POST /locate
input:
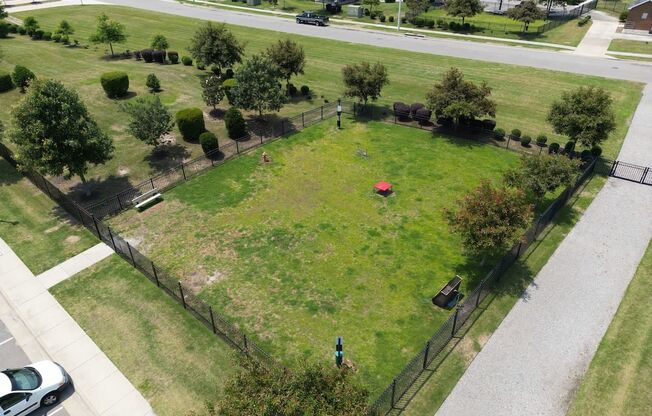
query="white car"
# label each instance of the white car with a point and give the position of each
(26, 389)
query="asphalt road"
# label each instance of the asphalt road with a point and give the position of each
(12, 356)
(538, 58)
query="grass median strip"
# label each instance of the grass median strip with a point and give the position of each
(169, 356)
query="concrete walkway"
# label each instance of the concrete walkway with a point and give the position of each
(598, 37)
(49, 332)
(537, 357)
(74, 265)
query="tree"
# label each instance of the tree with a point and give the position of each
(463, 8)
(108, 31)
(64, 28)
(364, 81)
(489, 219)
(541, 174)
(458, 99)
(310, 390)
(215, 45)
(22, 77)
(526, 12)
(149, 120)
(371, 4)
(416, 7)
(160, 43)
(153, 83)
(257, 87)
(3, 12)
(63, 144)
(212, 91)
(289, 58)
(31, 25)
(585, 115)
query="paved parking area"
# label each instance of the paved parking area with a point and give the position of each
(12, 356)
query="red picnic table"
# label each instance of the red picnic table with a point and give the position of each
(383, 186)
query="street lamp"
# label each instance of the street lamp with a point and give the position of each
(339, 113)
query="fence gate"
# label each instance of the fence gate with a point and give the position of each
(630, 172)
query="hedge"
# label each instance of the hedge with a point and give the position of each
(499, 134)
(173, 57)
(235, 123)
(159, 56)
(422, 115)
(553, 148)
(208, 142)
(5, 81)
(147, 55)
(115, 84)
(5, 28)
(305, 90)
(191, 123)
(401, 109)
(228, 85)
(525, 141)
(186, 60)
(414, 108)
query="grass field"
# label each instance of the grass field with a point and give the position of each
(410, 74)
(619, 380)
(301, 251)
(173, 360)
(40, 232)
(634, 46)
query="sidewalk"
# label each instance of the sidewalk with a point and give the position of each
(598, 37)
(45, 330)
(537, 357)
(74, 265)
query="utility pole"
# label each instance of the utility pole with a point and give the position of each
(398, 19)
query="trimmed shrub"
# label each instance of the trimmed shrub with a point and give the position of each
(138, 55)
(47, 36)
(228, 85)
(186, 60)
(430, 23)
(115, 84)
(216, 70)
(191, 123)
(148, 55)
(553, 148)
(526, 140)
(235, 123)
(22, 77)
(208, 142)
(623, 16)
(422, 115)
(229, 74)
(404, 19)
(596, 151)
(38, 34)
(382, 18)
(569, 146)
(173, 57)
(5, 28)
(305, 90)
(516, 134)
(13, 28)
(292, 90)
(488, 124)
(542, 139)
(391, 18)
(22, 30)
(153, 83)
(201, 66)
(65, 40)
(499, 134)
(440, 23)
(414, 107)
(56, 37)
(401, 110)
(419, 22)
(5, 81)
(466, 27)
(454, 26)
(586, 154)
(159, 56)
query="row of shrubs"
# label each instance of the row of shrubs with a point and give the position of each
(377, 14)
(541, 140)
(190, 122)
(38, 34)
(442, 24)
(583, 21)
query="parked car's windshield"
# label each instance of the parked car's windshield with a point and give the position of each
(24, 378)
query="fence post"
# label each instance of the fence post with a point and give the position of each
(155, 274)
(425, 356)
(183, 299)
(303, 120)
(131, 254)
(183, 170)
(112, 241)
(393, 392)
(97, 229)
(457, 310)
(210, 312)
(119, 202)
(322, 112)
(614, 165)
(477, 300)
(644, 174)
(246, 345)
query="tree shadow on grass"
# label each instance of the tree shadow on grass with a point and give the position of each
(8, 174)
(167, 156)
(100, 189)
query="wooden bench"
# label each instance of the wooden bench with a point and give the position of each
(146, 199)
(448, 293)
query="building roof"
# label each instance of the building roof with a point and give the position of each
(637, 3)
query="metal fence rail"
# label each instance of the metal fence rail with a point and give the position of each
(631, 172)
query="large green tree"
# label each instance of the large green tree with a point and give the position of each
(490, 219)
(149, 119)
(308, 390)
(371, 4)
(585, 115)
(3, 12)
(212, 90)
(538, 175)
(108, 31)
(31, 25)
(289, 58)
(64, 28)
(526, 12)
(216, 45)
(364, 81)
(160, 42)
(55, 134)
(458, 99)
(257, 86)
(463, 8)
(416, 7)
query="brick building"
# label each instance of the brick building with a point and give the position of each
(640, 15)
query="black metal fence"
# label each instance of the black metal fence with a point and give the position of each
(168, 179)
(400, 385)
(630, 172)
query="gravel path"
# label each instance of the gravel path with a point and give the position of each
(538, 355)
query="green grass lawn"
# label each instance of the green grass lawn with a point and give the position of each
(410, 75)
(619, 380)
(301, 251)
(173, 360)
(41, 233)
(439, 381)
(634, 46)
(613, 7)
